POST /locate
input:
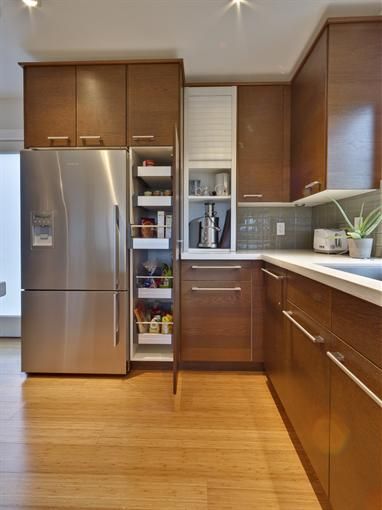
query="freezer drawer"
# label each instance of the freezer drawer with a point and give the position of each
(74, 332)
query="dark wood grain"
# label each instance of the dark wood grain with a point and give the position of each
(262, 152)
(257, 312)
(153, 103)
(49, 106)
(355, 106)
(209, 270)
(308, 121)
(355, 435)
(101, 104)
(308, 405)
(216, 325)
(359, 324)
(312, 297)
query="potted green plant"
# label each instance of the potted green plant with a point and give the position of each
(360, 244)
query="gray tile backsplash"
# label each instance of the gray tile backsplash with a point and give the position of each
(256, 228)
(328, 215)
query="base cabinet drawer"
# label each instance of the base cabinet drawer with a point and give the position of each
(216, 321)
(355, 431)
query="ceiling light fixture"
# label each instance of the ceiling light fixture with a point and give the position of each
(32, 3)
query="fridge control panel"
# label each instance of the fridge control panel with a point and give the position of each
(42, 229)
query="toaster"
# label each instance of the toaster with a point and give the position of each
(327, 240)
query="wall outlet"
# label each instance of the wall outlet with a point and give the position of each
(280, 229)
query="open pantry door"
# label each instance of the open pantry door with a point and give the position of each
(176, 249)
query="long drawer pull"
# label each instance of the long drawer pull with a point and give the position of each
(254, 195)
(143, 137)
(90, 137)
(315, 339)
(312, 184)
(58, 138)
(272, 274)
(216, 267)
(336, 357)
(224, 289)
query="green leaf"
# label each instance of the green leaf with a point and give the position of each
(361, 212)
(344, 214)
(379, 208)
(373, 226)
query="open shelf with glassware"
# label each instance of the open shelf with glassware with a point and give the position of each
(151, 217)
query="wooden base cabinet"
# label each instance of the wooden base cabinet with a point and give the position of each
(355, 431)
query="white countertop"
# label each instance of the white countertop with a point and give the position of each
(305, 262)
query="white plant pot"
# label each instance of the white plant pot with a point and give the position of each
(360, 248)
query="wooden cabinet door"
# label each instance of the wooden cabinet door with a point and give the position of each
(308, 123)
(50, 106)
(355, 431)
(153, 103)
(216, 321)
(308, 405)
(101, 105)
(263, 143)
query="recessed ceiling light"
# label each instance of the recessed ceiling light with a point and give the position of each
(32, 3)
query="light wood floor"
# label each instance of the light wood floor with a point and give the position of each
(113, 443)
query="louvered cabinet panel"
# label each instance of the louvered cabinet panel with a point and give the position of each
(210, 123)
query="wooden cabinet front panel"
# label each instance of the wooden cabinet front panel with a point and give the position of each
(263, 143)
(101, 105)
(359, 324)
(216, 270)
(312, 297)
(355, 434)
(153, 103)
(308, 385)
(355, 105)
(50, 106)
(308, 126)
(216, 324)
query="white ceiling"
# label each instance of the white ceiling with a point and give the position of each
(262, 40)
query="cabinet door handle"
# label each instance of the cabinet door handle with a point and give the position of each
(216, 267)
(52, 138)
(143, 137)
(315, 339)
(224, 289)
(254, 195)
(312, 184)
(90, 137)
(337, 357)
(272, 274)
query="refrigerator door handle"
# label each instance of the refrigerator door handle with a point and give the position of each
(116, 246)
(116, 319)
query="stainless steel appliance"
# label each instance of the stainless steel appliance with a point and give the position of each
(74, 261)
(328, 240)
(209, 227)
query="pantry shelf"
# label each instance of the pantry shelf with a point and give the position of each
(209, 198)
(148, 293)
(155, 176)
(154, 339)
(150, 202)
(150, 243)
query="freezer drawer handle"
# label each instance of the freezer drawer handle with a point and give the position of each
(272, 274)
(216, 267)
(116, 246)
(337, 357)
(236, 289)
(116, 319)
(315, 339)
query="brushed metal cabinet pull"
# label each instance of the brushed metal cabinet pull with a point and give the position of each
(90, 137)
(272, 274)
(315, 339)
(58, 138)
(143, 137)
(254, 195)
(216, 267)
(312, 184)
(224, 289)
(337, 357)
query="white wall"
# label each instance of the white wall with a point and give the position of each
(10, 305)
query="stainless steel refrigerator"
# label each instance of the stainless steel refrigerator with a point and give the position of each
(74, 261)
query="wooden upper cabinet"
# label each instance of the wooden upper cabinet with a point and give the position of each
(153, 103)
(101, 105)
(308, 123)
(50, 106)
(336, 128)
(263, 143)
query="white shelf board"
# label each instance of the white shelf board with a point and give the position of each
(154, 339)
(209, 250)
(156, 176)
(209, 198)
(326, 196)
(154, 293)
(224, 164)
(154, 202)
(152, 353)
(150, 243)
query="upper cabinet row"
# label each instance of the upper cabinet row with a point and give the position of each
(101, 105)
